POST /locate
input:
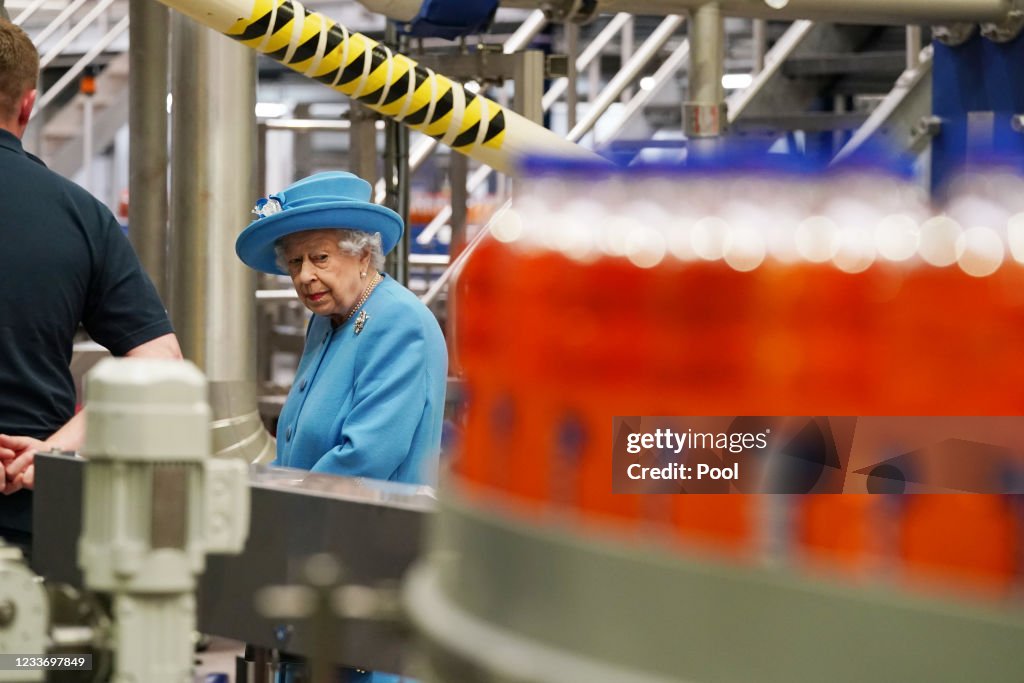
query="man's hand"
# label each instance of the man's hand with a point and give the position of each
(17, 454)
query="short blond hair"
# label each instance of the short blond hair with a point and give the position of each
(19, 67)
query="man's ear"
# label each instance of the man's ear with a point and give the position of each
(28, 100)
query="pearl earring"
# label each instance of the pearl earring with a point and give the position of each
(362, 274)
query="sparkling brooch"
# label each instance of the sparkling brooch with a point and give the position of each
(360, 321)
(267, 206)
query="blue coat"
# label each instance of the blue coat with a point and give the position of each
(369, 404)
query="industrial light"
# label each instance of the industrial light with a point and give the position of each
(270, 110)
(647, 83)
(736, 81)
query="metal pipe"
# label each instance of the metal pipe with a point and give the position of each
(65, 40)
(913, 46)
(212, 190)
(630, 70)
(419, 153)
(589, 54)
(387, 82)
(759, 40)
(57, 22)
(362, 146)
(627, 45)
(28, 11)
(774, 59)
(307, 125)
(147, 129)
(526, 32)
(454, 267)
(396, 176)
(71, 74)
(601, 103)
(676, 59)
(906, 84)
(707, 44)
(896, 12)
(703, 113)
(458, 172)
(572, 35)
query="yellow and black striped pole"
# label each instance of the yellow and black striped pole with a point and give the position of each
(387, 82)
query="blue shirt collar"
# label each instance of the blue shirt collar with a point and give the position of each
(9, 141)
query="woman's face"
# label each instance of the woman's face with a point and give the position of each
(326, 279)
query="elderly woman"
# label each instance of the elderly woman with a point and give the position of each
(369, 391)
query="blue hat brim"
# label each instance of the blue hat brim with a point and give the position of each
(255, 244)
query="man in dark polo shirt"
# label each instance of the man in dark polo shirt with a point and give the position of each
(63, 262)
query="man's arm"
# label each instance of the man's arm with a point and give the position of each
(18, 452)
(161, 347)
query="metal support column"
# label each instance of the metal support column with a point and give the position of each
(147, 129)
(362, 143)
(760, 40)
(458, 174)
(626, 47)
(212, 192)
(397, 177)
(913, 46)
(529, 80)
(704, 116)
(572, 39)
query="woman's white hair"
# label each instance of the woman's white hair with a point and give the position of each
(350, 241)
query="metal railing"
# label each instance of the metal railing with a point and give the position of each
(83, 62)
(627, 74)
(70, 27)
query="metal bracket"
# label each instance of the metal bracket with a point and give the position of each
(702, 120)
(556, 66)
(1005, 30)
(574, 11)
(953, 34)
(923, 132)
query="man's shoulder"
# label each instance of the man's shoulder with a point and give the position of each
(33, 180)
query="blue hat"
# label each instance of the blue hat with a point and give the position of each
(333, 199)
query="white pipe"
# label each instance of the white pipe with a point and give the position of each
(668, 68)
(389, 83)
(589, 54)
(75, 31)
(773, 61)
(29, 11)
(601, 103)
(57, 22)
(913, 46)
(71, 74)
(526, 32)
(442, 280)
(630, 70)
(759, 38)
(627, 45)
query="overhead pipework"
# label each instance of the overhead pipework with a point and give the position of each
(850, 11)
(387, 82)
